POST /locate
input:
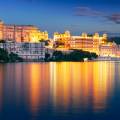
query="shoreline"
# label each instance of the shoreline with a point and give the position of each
(61, 61)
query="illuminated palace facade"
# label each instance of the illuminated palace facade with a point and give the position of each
(63, 38)
(21, 33)
(92, 43)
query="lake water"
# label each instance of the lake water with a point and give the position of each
(60, 91)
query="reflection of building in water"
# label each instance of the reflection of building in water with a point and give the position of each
(1, 86)
(38, 86)
(35, 81)
(103, 76)
(77, 85)
(60, 86)
(66, 85)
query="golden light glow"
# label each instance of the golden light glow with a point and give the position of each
(85, 42)
(21, 33)
(102, 84)
(39, 85)
(64, 84)
(91, 82)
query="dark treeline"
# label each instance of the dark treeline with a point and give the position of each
(115, 39)
(8, 57)
(75, 55)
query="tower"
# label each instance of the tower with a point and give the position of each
(104, 38)
(1, 30)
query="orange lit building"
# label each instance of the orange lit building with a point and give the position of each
(63, 38)
(118, 51)
(109, 49)
(21, 33)
(84, 42)
(88, 43)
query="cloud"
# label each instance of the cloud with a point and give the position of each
(86, 11)
(31, 1)
(114, 17)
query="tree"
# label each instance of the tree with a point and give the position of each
(47, 56)
(45, 41)
(93, 55)
(13, 57)
(4, 56)
(75, 55)
(58, 55)
(2, 41)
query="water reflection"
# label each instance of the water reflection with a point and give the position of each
(82, 84)
(1, 86)
(60, 86)
(38, 85)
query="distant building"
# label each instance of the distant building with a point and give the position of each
(21, 33)
(109, 49)
(27, 51)
(118, 51)
(87, 42)
(63, 38)
(84, 42)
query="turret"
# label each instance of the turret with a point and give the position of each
(84, 35)
(67, 32)
(96, 35)
(1, 29)
(104, 38)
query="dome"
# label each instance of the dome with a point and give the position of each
(105, 35)
(96, 35)
(84, 34)
(67, 32)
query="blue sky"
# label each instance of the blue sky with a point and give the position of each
(59, 15)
